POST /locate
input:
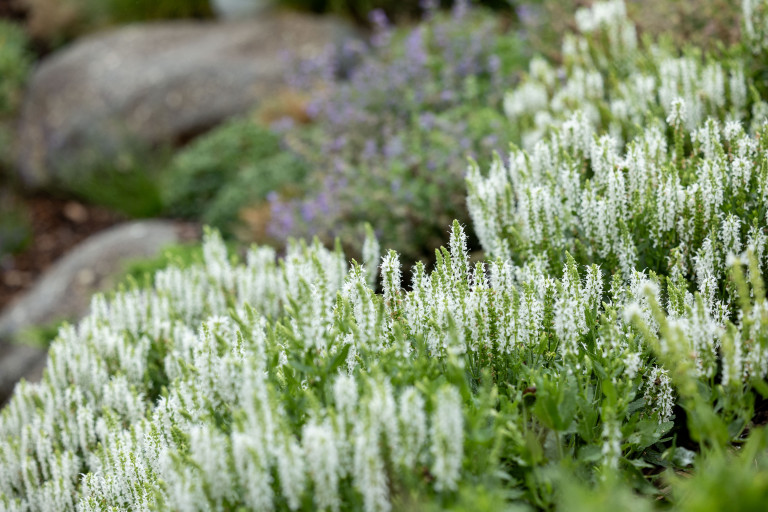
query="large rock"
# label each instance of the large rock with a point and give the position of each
(154, 84)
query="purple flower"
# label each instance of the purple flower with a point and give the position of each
(282, 125)
(379, 19)
(527, 14)
(370, 150)
(494, 63)
(429, 7)
(460, 9)
(381, 28)
(394, 148)
(427, 121)
(414, 48)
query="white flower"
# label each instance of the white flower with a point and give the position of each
(291, 469)
(658, 394)
(320, 449)
(447, 439)
(413, 427)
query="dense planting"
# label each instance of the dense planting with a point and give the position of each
(615, 338)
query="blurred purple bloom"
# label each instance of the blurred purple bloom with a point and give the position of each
(339, 143)
(314, 108)
(527, 14)
(281, 223)
(394, 148)
(382, 32)
(379, 19)
(427, 121)
(370, 149)
(368, 119)
(429, 6)
(460, 9)
(414, 48)
(282, 125)
(494, 63)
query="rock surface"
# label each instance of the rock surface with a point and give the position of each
(153, 84)
(64, 291)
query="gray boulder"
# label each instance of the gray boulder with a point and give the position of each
(154, 84)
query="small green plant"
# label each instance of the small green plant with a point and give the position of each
(235, 165)
(143, 270)
(39, 336)
(15, 229)
(129, 184)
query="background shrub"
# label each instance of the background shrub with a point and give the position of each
(235, 165)
(392, 132)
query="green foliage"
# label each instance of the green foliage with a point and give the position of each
(128, 184)
(394, 9)
(15, 229)
(15, 63)
(143, 270)
(122, 11)
(732, 479)
(235, 165)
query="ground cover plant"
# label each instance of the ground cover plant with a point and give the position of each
(603, 357)
(237, 164)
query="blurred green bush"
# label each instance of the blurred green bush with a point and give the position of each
(139, 10)
(235, 165)
(15, 64)
(15, 229)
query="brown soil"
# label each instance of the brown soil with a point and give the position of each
(57, 225)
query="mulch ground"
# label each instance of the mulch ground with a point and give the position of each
(57, 226)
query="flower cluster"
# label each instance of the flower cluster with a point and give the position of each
(677, 196)
(268, 386)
